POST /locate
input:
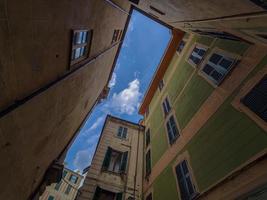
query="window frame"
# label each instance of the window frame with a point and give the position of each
(179, 45)
(175, 139)
(124, 133)
(166, 97)
(86, 45)
(70, 179)
(185, 156)
(200, 46)
(236, 58)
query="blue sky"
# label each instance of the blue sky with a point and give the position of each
(144, 44)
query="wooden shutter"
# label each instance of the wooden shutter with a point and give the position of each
(124, 135)
(107, 159)
(124, 162)
(147, 137)
(119, 196)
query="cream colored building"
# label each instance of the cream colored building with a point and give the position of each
(66, 189)
(117, 166)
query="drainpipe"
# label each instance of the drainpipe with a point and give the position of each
(136, 163)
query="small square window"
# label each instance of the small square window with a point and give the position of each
(122, 132)
(181, 46)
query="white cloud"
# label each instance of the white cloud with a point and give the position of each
(92, 140)
(98, 121)
(112, 82)
(82, 159)
(127, 100)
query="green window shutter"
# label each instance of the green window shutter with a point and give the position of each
(124, 133)
(107, 158)
(119, 196)
(124, 161)
(120, 131)
(98, 191)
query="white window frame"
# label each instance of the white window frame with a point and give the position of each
(175, 138)
(225, 55)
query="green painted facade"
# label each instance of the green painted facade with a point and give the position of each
(226, 141)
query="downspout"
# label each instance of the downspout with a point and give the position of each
(136, 163)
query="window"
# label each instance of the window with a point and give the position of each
(261, 3)
(122, 132)
(149, 197)
(172, 130)
(166, 106)
(157, 10)
(73, 179)
(148, 163)
(147, 137)
(57, 186)
(51, 198)
(256, 99)
(181, 46)
(197, 55)
(64, 173)
(187, 188)
(80, 45)
(161, 85)
(217, 67)
(67, 191)
(115, 161)
(117, 34)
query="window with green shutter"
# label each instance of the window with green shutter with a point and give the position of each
(115, 161)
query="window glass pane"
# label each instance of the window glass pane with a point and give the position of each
(82, 51)
(226, 63)
(164, 108)
(84, 38)
(57, 186)
(64, 173)
(147, 137)
(168, 105)
(196, 50)
(207, 69)
(77, 53)
(195, 59)
(184, 166)
(68, 189)
(189, 185)
(215, 58)
(216, 75)
(201, 52)
(78, 37)
(51, 198)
